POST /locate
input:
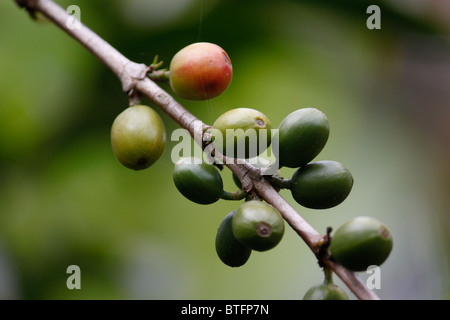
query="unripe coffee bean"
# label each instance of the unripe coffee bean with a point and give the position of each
(138, 137)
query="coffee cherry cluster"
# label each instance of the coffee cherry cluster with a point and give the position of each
(255, 225)
(203, 71)
(359, 243)
(238, 133)
(316, 185)
(199, 71)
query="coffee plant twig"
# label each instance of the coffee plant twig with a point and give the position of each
(134, 78)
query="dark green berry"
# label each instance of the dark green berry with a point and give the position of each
(360, 243)
(231, 251)
(198, 181)
(302, 135)
(258, 225)
(138, 137)
(321, 184)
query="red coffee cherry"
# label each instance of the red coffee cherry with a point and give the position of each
(200, 71)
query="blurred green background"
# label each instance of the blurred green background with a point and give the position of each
(65, 199)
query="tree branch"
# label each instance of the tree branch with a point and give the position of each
(133, 76)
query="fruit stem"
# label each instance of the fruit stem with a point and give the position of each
(328, 275)
(159, 75)
(134, 98)
(236, 195)
(155, 74)
(279, 182)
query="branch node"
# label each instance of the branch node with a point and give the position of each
(323, 253)
(132, 73)
(134, 97)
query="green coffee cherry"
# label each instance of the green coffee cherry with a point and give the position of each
(242, 133)
(138, 137)
(321, 184)
(360, 243)
(325, 291)
(198, 181)
(200, 71)
(232, 252)
(302, 135)
(258, 225)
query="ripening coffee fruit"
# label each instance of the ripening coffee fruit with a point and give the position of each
(325, 291)
(232, 252)
(198, 181)
(258, 225)
(200, 71)
(360, 243)
(321, 184)
(302, 135)
(138, 137)
(242, 133)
